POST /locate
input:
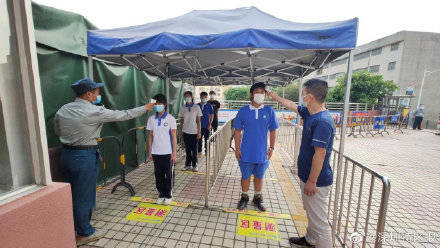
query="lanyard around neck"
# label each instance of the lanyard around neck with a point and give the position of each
(160, 118)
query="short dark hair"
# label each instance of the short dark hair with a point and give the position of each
(160, 98)
(318, 88)
(80, 95)
(188, 93)
(256, 86)
(203, 93)
(212, 92)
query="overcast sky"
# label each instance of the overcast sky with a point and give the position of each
(377, 19)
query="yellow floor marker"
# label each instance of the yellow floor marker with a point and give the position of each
(292, 197)
(150, 213)
(258, 227)
(258, 213)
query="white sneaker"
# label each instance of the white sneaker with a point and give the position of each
(168, 201)
(196, 168)
(160, 200)
(187, 168)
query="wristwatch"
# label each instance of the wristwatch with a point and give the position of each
(271, 148)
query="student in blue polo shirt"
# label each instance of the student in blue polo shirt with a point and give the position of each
(313, 161)
(162, 145)
(206, 120)
(256, 121)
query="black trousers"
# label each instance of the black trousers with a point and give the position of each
(190, 141)
(205, 136)
(214, 125)
(418, 122)
(163, 170)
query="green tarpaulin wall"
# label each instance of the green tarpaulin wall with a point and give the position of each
(62, 60)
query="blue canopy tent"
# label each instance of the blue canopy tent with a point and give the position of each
(223, 47)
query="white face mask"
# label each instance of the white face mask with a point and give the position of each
(259, 98)
(188, 100)
(204, 100)
(212, 97)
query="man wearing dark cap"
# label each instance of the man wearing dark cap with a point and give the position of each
(79, 124)
(251, 151)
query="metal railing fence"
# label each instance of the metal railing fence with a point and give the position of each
(362, 198)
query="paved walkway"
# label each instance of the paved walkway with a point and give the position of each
(193, 227)
(411, 161)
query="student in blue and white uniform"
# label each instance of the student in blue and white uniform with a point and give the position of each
(256, 121)
(206, 120)
(162, 145)
(314, 169)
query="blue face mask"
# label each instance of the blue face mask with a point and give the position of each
(158, 108)
(98, 100)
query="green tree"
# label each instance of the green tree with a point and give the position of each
(365, 88)
(237, 93)
(291, 91)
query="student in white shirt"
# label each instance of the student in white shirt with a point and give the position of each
(190, 118)
(162, 145)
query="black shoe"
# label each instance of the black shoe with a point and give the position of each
(258, 202)
(242, 204)
(299, 242)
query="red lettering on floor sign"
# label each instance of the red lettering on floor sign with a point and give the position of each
(139, 210)
(269, 227)
(244, 223)
(150, 211)
(257, 225)
(161, 213)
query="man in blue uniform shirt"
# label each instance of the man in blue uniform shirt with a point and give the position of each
(251, 151)
(313, 162)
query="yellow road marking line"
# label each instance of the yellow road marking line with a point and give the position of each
(293, 200)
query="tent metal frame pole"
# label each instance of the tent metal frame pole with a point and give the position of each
(167, 82)
(300, 94)
(342, 142)
(90, 65)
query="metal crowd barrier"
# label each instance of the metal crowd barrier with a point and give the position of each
(122, 148)
(217, 147)
(121, 164)
(362, 202)
(374, 125)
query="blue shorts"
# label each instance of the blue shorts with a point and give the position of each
(258, 170)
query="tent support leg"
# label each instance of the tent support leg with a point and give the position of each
(342, 142)
(300, 98)
(90, 64)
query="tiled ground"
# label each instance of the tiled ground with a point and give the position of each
(192, 227)
(411, 161)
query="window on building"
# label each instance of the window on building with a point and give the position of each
(336, 75)
(374, 68)
(19, 159)
(361, 56)
(376, 51)
(323, 77)
(360, 69)
(394, 47)
(339, 62)
(391, 66)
